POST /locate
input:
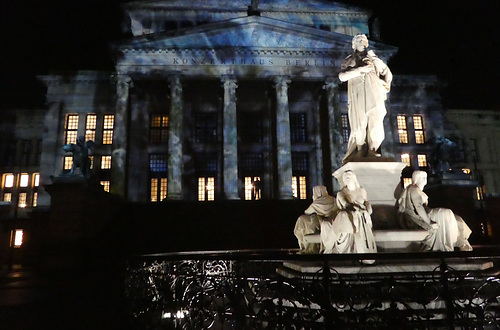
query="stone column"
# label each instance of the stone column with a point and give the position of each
(120, 136)
(284, 153)
(230, 132)
(334, 128)
(175, 139)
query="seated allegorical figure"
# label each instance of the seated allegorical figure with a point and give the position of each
(446, 229)
(351, 230)
(322, 207)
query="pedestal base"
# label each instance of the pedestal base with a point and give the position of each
(380, 179)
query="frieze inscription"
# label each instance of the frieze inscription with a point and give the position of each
(262, 61)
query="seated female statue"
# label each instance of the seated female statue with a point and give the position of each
(351, 230)
(309, 223)
(446, 229)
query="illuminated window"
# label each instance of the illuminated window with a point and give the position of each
(35, 199)
(154, 190)
(419, 129)
(90, 127)
(158, 165)
(7, 197)
(22, 200)
(253, 189)
(205, 127)
(36, 179)
(299, 186)
(158, 189)
(24, 179)
(479, 193)
(300, 170)
(105, 162)
(8, 180)
(402, 132)
(107, 131)
(406, 182)
(17, 240)
(422, 160)
(163, 188)
(105, 184)
(405, 158)
(206, 189)
(91, 162)
(345, 128)
(159, 129)
(68, 163)
(298, 127)
(71, 128)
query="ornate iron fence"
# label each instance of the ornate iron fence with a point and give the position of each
(250, 290)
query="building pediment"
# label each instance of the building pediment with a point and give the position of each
(245, 32)
(247, 46)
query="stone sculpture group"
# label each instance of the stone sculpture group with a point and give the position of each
(344, 223)
(345, 226)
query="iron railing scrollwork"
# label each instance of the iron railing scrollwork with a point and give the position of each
(245, 291)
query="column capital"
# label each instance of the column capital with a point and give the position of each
(123, 79)
(229, 81)
(281, 81)
(331, 82)
(174, 81)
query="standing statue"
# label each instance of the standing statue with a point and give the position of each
(446, 230)
(369, 80)
(351, 230)
(322, 207)
(81, 158)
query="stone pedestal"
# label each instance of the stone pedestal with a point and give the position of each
(80, 213)
(380, 179)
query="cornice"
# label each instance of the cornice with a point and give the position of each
(477, 114)
(267, 13)
(85, 78)
(235, 51)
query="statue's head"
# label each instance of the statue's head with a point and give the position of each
(67, 147)
(349, 178)
(359, 42)
(419, 178)
(319, 191)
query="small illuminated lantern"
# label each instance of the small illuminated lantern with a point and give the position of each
(17, 238)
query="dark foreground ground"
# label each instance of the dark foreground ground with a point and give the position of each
(62, 300)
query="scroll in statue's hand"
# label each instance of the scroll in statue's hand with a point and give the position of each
(366, 69)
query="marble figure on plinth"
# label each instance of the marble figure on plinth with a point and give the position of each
(446, 229)
(351, 229)
(81, 158)
(369, 80)
(322, 207)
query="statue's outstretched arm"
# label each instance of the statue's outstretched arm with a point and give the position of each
(353, 72)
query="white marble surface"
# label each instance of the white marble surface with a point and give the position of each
(380, 179)
(314, 268)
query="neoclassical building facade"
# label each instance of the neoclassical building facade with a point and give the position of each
(227, 100)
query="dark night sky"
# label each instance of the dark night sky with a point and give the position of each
(456, 40)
